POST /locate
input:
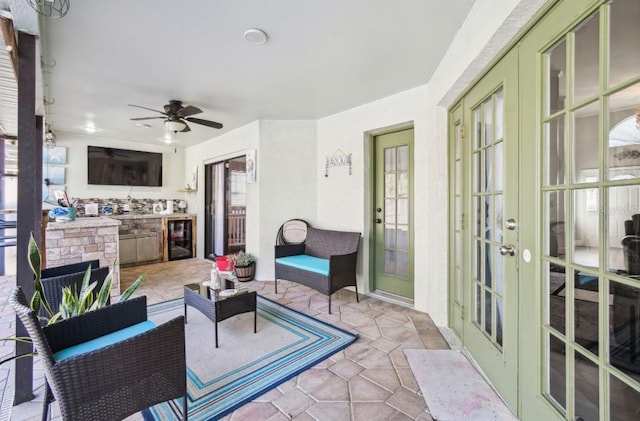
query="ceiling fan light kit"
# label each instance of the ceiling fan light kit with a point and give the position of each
(175, 125)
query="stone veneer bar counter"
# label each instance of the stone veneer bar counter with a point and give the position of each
(84, 239)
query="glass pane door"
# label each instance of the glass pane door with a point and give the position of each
(590, 197)
(490, 272)
(225, 198)
(393, 217)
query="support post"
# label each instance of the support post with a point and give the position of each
(29, 197)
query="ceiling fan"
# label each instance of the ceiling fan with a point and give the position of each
(176, 115)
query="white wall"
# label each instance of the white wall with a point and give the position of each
(342, 198)
(341, 201)
(173, 177)
(285, 180)
(229, 145)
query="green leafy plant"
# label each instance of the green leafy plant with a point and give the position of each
(73, 302)
(242, 259)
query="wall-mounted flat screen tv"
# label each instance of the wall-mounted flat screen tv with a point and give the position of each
(122, 167)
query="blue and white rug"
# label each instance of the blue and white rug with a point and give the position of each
(246, 365)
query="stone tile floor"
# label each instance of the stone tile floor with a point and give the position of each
(369, 380)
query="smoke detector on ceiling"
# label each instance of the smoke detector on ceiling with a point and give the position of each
(255, 36)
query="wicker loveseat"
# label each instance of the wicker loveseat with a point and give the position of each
(326, 261)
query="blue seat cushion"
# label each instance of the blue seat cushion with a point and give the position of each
(101, 342)
(305, 262)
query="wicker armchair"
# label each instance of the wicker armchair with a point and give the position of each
(114, 381)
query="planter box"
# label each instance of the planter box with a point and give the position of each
(246, 273)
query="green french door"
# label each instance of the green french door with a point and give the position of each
(490, 234)
(580, 116)
(556, 326)
(393, 213)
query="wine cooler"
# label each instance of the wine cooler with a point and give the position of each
(179, 239)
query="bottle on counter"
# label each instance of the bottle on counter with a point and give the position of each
(215, 278)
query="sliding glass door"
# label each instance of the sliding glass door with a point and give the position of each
(225, 200)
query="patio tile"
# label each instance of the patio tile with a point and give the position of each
(334, 411)
(369, 380)
(363, 390)
(407, 402)
(384, 377)
(335, 389)
(370, 411)
(346, 369)
(293, 403)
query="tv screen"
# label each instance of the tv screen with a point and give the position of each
(121, 167)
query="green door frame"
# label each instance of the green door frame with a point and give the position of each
(370, 200)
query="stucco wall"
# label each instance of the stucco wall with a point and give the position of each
(229, 145)
(341, 200)
(285, 180)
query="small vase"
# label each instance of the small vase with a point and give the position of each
(70, 216)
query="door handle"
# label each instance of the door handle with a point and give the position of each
(510, 250)
(378, 221)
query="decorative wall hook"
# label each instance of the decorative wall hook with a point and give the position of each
(338, 159)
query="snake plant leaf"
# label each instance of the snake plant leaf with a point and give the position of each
(103, 294)
(36, 302)
(15, 357)
(85, 282)
(35, 261)
(127, 293)
(85, 298)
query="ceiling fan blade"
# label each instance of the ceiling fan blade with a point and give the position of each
(144, 118)
(186, 128)
(207, 123)
(150, 109)
(188, 110)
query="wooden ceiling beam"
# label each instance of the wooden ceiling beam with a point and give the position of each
(9, 35)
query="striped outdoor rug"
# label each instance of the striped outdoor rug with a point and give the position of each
(246, 365)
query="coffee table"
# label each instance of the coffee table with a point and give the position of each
(216, 307)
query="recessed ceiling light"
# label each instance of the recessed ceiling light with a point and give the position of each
(255, 36)
(90, 129)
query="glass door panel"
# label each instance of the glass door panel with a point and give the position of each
(490, 276)
(590, 209)
(393, 214)
(489, 156)
(225, 199)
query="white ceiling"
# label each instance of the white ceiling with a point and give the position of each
(322, 57)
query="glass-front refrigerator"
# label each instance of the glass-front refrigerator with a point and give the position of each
(179, 241)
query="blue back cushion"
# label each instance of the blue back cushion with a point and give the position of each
(101, 342)
(305, 262)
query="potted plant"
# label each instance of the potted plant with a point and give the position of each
(245, 266)
(73, 302)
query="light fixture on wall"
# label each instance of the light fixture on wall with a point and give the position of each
(50, 138)
(175, 125)
(50, 8)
